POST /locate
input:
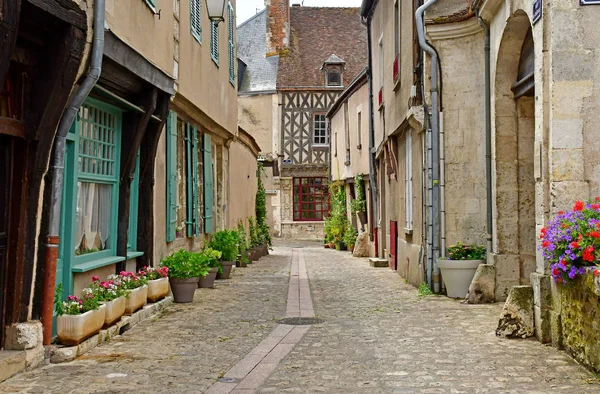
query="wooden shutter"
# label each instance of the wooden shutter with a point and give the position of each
(189, 181)
(214, 42)
(208, 184)
(231, 22)
(171, 176)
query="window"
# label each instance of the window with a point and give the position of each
(397, 27)
(359, 130)
(231, 21)
(320, 136)
(196, 19)
(311, 199)
(408, 180)
(214, 42)
(347, 134)
(334, 77)
(381, 62)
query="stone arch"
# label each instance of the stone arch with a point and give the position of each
(514, 216)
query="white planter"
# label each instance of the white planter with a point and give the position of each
(72, 329)
(158, 289)
(137, 299)
(457, 275)
(114, 310)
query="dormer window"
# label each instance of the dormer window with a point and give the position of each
(333, 69)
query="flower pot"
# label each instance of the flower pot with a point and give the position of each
(362, 216)
(457, 275)
(137, 299)
(351, 248)
(227, 266)
(183, 289)
(209, 280)
(247, 255)
(72, 329)
(158, 289)
(331, 245)
(326, 246)
(253, 254)
(114, 310)
(241, 264)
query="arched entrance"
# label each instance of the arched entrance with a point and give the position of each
(514, 156)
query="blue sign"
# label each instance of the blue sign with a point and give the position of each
(589, 2)
(537, 10)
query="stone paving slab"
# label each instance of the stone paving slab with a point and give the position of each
(380, 336)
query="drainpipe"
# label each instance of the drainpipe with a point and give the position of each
(488, 129)
(372, 180)
(58, 164)
(434, 209)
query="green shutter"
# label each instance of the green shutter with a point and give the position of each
(133, 207)
(189, 181)
(171, 176)
(208, 184)
(231, 22)
(195, 181)
(214, 42)
(196, 19)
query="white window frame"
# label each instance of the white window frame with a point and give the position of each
(408, 177)
(314, 133)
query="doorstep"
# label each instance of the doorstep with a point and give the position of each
(11, 363)
(63, 354)
(378, 263)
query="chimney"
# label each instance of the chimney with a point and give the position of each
(278, 26)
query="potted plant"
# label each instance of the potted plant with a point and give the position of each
(254, 240)
(212, 261)
(77, 319)
(262, 228)
(359, 204)
(158, 282)
(135, 287)
(350, 237)
(460, 266)
(243, 244)
(185, 270)
(112, 295)
(225, 241)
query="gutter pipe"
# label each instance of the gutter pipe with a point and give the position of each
(58, 166)
(488, 129)
(434, 208)
(372, 180)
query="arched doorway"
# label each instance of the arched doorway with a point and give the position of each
(514, 156)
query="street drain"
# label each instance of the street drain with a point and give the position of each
(228, 380)
(301, 321)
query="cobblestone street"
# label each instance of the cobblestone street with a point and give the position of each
(377, 336)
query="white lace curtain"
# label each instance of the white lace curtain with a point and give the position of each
(93, 217)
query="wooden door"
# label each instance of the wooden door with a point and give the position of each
(393, 263)
(5, 182)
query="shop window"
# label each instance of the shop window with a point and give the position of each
(311, 199)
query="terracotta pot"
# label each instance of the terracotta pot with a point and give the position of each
(227, 266)
(183, 289)
(253, 254)
(158, 289)
(209, 280)
(114, 310)
(351, 248)
(331, 245)
(247, 255)
(72, 329)
(137, 299)
(326, 246)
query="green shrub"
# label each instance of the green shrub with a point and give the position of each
(462, 251)
(184, 264)
(359, 204)
(225, 241)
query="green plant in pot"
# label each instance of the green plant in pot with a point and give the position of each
(458, 269)
(350, 237)
(254, 239)
(225, 241)
(185, 270)
(212, 259)
(243, 244)
(359, 204)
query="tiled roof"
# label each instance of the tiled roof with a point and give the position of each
(316, 34)
(261, 72)
(334, 59)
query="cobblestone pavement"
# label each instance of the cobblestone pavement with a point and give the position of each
(378, 336)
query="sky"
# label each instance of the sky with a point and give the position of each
(247, 8)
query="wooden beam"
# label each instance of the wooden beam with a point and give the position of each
(9, 26)
(66, 10)
(12, 127)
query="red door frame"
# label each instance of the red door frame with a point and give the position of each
(393, 263)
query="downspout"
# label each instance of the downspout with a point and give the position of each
(58, 164)
(434, 209)
(488, 129)
(372, 180)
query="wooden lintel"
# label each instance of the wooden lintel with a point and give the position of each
(12, 127)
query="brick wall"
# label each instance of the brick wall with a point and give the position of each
(278, 26)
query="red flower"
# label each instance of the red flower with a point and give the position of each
(95, 278)
(543, 233)
(574, 245)
(578, 206)
(588, 254)
(595, 234)
(596, 272)
(595, 206)
(558, 280)
(555, 272)
(598, 224)
(545, 244)
(564, 262)
(597, 198)
(561, 212)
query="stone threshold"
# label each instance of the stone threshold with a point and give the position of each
(63, 354)
(378, 263)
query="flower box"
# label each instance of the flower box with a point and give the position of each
(457, 275)
(114, 310)
(72, 329)
(158, 289)
(137, 299)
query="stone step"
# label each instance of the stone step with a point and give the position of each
(378, 263)
(11, 363)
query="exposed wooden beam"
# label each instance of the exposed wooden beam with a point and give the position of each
(66, 10)
(9, 26)
(12, 127)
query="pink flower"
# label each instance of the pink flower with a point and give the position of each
(95, 278)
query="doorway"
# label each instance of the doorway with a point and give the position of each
(5, 181)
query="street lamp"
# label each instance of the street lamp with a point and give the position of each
(216, 10)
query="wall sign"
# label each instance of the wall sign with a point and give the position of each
(537, 10)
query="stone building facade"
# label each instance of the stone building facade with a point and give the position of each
(309, 55)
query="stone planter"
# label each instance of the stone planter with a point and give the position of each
(227, 267)
(158, 289)
(457, 275)
(114, 310)
(72, 329)
(209, 280)
(183, 289)
(137, 299)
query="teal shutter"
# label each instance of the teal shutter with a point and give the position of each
(231, 21)
(195, 181)
(171, 176)
(208, 184)
(196, 19)
(214, 42)
(189, 181)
